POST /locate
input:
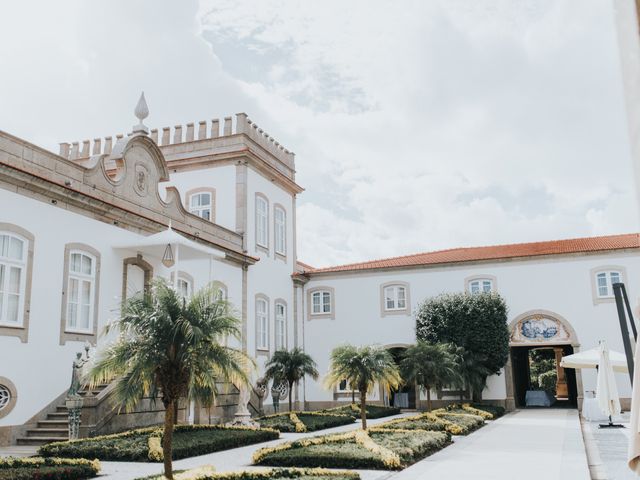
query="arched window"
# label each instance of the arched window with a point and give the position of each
(201, 202)
(280, 220)
(262, 324)
(480, 284)
(602, 280)
(395, 299)
(281, 325)
(262, 221)
(184, 287)
(81, 291)
(13, 264)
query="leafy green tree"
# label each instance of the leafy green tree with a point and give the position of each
(477, 322)
(429, 366)
(471, 371)
(363, 367)
(291, 367)
(172, 348)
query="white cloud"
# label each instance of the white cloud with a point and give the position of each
(430, 125)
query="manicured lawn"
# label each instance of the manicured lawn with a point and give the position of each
(264, 474)
(144, 445)
(381, 449)
(47, 469)
(373, 411)
(304, 421)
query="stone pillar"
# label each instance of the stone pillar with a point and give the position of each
(562, 391)
(74, 407)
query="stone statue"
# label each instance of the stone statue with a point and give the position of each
(278, 391)
(261, 390)
(243, 400)
(76, 375)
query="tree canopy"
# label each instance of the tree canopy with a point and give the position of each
(291, 367)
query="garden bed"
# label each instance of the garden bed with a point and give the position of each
(373, 411)
(144, 445)
(304, 421)
(424, 421)
(495, 410)
(379, 449)
(47, 468)
(458, 423)
(264, 474)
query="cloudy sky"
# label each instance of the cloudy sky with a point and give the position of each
(417, 125)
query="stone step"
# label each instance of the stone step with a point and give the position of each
(59, 416)
(53, 423)
(61, 409)
(48, 432)
(39, 440)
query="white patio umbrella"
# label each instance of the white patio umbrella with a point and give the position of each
(606, 388)
(591, 358)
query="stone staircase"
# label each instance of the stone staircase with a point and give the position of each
(55, 427)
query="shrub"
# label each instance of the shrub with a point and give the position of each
(424, 421)
(548, 380)
(268, 474)
(459, 423)
(304, 421)
(496, 410)
(140, 446)
(47, 468)
(373, 411)
(465, 408)
(381, 449)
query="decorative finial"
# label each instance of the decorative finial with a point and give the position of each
(141, 112)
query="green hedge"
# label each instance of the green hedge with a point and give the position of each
(373, 411)
(273, 474)
(313, 422)
(418, 422)
(47, 468)
(467, 422)
(133, 446)
(496, 410)
(410, 447)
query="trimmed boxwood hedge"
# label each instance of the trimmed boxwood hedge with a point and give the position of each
(496, 410)
(345, 452)
(270, 474)
(133, 446)
(312, 421)
(47, 468)
(426, 422)
(467, 422)
(373, 411)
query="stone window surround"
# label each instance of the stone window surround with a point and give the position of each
(594, 284)
(262, 351)
(264, 248)
(22, 331)
(182, 275)
(145, 266)
(407, 296)
(281, 256)
(69, 335)
(193, 191)
(217, 284)
(14, 396)
(283, 302)
(472, 278)
(332, 293)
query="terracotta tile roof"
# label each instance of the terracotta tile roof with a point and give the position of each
(495, 252)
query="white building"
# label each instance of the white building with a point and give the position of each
(84, 229)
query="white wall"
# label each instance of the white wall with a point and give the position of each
(558, 284)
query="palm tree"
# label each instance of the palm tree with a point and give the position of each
(471, 371)
(362, 367)
(173, 348)
(429, 366)
(291, 367)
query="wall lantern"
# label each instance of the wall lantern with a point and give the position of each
(167, 259)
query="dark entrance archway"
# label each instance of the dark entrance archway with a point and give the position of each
(404, 396)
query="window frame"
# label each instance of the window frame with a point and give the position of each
(81, 278)
(262, 348)
(607, 270)
(212, 202)
(280, 231)
(331, 314)
(406, 310)
(11, 264)
(261, 243)
(468, 281)
(280, 323)
(90, 334)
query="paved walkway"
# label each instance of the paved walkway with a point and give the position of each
(609, 459)
(528, 445)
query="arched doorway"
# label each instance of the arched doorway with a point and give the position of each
(406, 395)
(538, 341)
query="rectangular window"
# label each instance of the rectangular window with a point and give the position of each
(605, 281)
(184, 288)
(201, 205)
(483, 285)
(12, 279)
(281, 327)
(80, 291)
(262, 219)
(281, 231)
(321, 302)
(395, 297)
(262, 322)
